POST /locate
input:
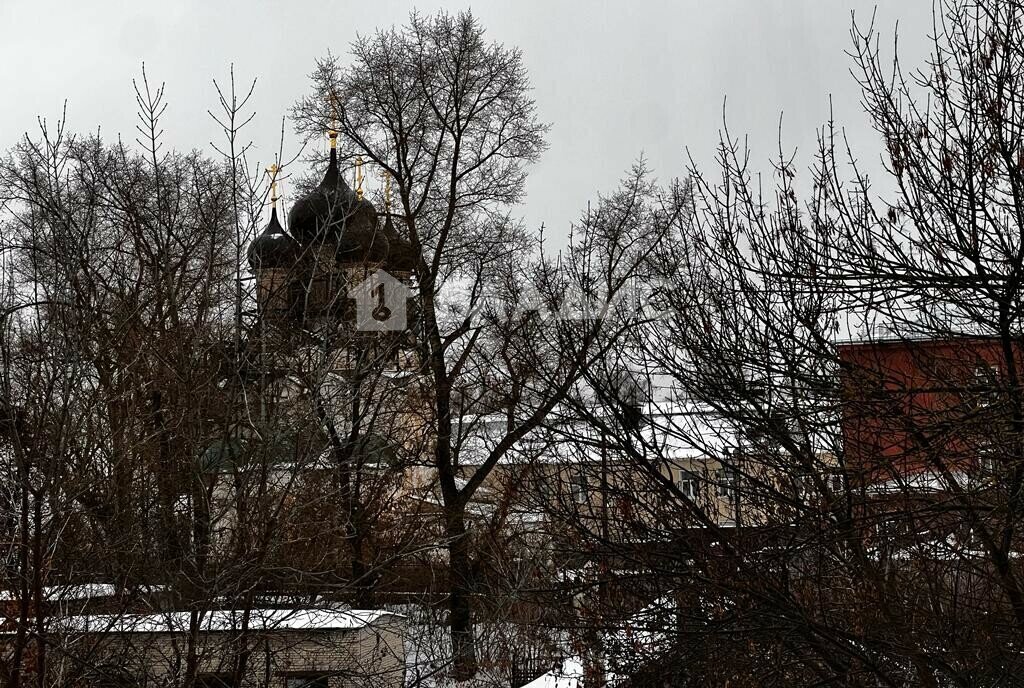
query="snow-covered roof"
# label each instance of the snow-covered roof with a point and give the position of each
(677, 428)
(924, 481)
(222, 620)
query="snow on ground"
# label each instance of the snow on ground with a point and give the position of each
(569, 676)
(428, 652)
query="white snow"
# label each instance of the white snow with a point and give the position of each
(57, 593)
(569, 676)
(925, 481)
(222, 620)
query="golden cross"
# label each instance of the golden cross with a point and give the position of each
(272, 171)
(332, 132)
(359, 177)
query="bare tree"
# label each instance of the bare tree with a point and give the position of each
(141, 442)
(831, 484)
(448, 117)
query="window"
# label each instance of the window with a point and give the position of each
(988, 464)
(579, 487)
(688, 484)
(726, 479)
(804, 484)
(307, 681)
(837, 483)
(110, 676)
(183, 505)
(544, 484)
(215, 681)
(986, 382)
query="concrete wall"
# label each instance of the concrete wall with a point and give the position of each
(372, 656)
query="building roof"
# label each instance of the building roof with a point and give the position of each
(56, 593)
(223, 621)
(920, 482)
(273, 248)
(678, 432)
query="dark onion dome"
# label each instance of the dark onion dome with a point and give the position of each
(333, 213)
(273, 248)
(316, 216)
(401, 255)
(361, 239)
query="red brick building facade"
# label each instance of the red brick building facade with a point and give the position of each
(912, 406)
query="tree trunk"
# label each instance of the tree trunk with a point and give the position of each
(362, 575)
(460, 589)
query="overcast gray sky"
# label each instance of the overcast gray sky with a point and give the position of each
(613, 78)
